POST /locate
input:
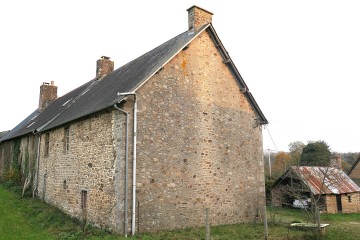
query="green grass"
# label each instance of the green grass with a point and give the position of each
(28, 218)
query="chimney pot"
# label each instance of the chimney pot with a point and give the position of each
(198, 17)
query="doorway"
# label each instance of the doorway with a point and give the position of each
(338, 203)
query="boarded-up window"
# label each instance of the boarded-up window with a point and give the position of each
(47, 144)
(83, 199)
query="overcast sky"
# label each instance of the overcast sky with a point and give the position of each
(300, 59)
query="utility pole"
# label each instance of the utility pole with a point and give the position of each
(269, 151)
(269, 162)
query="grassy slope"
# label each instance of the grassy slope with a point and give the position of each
(29, 218)
(12, 223)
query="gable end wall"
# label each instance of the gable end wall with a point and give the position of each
(198, 144)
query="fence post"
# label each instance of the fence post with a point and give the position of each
(207, 225)
(265, 224)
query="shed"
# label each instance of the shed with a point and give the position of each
(330, 187)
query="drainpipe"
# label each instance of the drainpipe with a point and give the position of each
(134, 168)
(37, 165)
(126, 168)
(134, 162)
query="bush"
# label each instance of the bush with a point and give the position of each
(12, 175)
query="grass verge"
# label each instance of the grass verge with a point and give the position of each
(28, 218)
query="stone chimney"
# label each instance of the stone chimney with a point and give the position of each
(104, 66)
(198, 17)
(48, 93)
(336, 163)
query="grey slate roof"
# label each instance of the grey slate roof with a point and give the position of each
(100, 94)
(2, 133)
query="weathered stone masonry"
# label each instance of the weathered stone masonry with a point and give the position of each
(199, 145)
(90, 164)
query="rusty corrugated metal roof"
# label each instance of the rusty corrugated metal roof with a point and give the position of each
(326, 180)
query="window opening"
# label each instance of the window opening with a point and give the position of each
(83, 199)
(67, 139)
(47, 144)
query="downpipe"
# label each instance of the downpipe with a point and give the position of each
(133, 222)
(126, 168)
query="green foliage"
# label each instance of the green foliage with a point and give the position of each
(315, 154)
(348, 159)
(27, 159)
(12, 174)
(29, 218)
(296, 149)
(269, 181)
(16, 154)
(281, 164)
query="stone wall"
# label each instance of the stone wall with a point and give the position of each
(25, 160)
(350, 203)
(331, 205)
(27, 156)
(198, 144)
(5, 157)
(91, 164)
(277, 197)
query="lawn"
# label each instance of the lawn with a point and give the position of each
(28, 218)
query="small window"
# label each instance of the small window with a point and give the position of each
(83, 199)
(67, 139)
(47, 144)
(349, 199)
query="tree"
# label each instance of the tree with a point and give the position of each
(348, 159)
(282, 162)
(296, 149)
(296, 186)
(315, 154)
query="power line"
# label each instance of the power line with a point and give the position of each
(267, 128)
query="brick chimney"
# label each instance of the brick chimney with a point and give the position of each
(198, 17)
(48, 93)
(336, 163)
(104, 66)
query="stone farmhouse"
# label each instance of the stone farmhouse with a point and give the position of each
(149, 145)
(334, 189)
(354, 172)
